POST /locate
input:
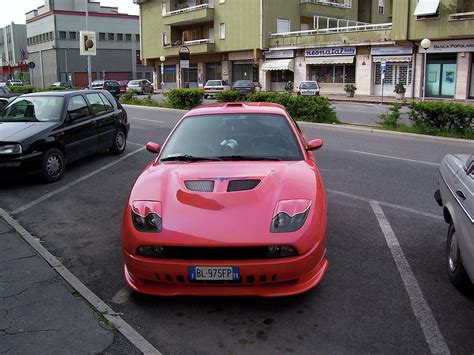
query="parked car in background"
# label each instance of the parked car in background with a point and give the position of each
(244, 86)
(213, 87)
(42, 132)
(4, 101)
(456, 196)
(141, 87)
(113, 86)
(14, 82)
(308, 88)
(123, 85)
(62, 84)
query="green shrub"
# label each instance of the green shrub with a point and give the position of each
(442, 116)
(56, 88)
(185, 99)
(24, 89)
(390, 120)
(302, 108)
(230, 96)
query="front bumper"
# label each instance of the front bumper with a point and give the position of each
(264, 278)
(22, 165)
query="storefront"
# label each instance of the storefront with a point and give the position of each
(278, 69)
(244, 70)
(213, 71)
(398, 69)
(449, 69)
(169, 76)
(332, 68)
(471, 81)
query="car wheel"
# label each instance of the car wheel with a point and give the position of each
(53, 165)
(205, 96)
(120, 142)
(456, 272)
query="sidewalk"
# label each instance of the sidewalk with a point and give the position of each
(39, 314)
(388, 100)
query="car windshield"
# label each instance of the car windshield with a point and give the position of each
(243, 83)
(232, 137)
(308, 85)
(33, 109)
(214, 83)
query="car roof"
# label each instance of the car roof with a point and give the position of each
(238, 107)
(64, 93)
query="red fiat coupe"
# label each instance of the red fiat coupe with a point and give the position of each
(233, 204)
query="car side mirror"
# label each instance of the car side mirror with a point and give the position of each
(153, 147)
(73, 116)
(315, 144)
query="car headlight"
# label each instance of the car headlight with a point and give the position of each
(11, 149)
(146, 216)
(289, 215)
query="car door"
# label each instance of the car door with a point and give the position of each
(78, 135)
(104, 118)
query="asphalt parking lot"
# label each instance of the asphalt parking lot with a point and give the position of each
(386, 290)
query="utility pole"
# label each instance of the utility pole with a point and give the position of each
(89, 69)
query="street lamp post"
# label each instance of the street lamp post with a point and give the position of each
(162, 71)
(425, 44)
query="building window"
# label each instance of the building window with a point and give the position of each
(119, 36)
(213, 71)
(111, 36)
(72, 35)
(333, 74)
(222, 31)
(169, 74)
(164, 39)
(221, 1)
(138, 57)
(62, 34)
(283, 25)
(282, 76)
(381, 6)
(128, 37)
(163, 9)
(137, 37)
(101, 36)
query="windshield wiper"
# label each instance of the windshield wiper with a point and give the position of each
(247, 157)
(188, 158)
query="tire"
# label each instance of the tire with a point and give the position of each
(119, 143)
(456, 272)
(53, 165)
(205, 96)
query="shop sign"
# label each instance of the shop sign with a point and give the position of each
(325, 52)
(288, 53)
(391, 50)
(461, 45)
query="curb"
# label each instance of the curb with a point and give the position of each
(154, 108)
(113, 317)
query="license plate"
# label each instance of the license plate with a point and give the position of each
(214, 273)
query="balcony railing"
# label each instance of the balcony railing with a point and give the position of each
(188, 9)
(191, 43)
(462, 16)
(336, 3)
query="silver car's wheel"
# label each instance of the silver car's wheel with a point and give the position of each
(456, 272)
(453, 253)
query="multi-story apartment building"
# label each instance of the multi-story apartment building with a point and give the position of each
(53, 43)
(333, 41)
(13, 52)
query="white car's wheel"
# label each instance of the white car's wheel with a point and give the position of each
(456, 272)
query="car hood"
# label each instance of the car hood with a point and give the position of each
(220, 216)
(19, 131)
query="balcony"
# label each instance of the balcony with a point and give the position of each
(189, 15)
(335, 8)
(362, 33)
(195, 47)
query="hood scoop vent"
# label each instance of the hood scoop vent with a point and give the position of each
(200, 185)
(242, 185)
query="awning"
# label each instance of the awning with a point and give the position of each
(279, 64)
(343, 59)
(426, 7)
(393, 59)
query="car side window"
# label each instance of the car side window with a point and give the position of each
(96, 103)
(77, 108)
(3, 103)
(107, 104)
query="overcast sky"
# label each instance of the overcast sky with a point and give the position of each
(16, 9)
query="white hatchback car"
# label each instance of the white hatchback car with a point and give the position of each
(456, 196)
(213, 87)
(308, 88)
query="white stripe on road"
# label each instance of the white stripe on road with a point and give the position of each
(396, 158)
(137, 144)
(74, 182)
(122, 326)
(122, 295)
(145, 119)
(387, 204)
(420, 307)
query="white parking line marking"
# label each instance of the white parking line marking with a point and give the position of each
(146, 119)
(387, 204)
(396, 158)
(420, 307)
(113, 317)
(137, 144)
(73, 183)
(122, 296)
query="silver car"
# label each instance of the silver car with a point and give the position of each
(213, 87)
(141, 86)
(456, 196)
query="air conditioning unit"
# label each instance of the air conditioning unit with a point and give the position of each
(139, 2)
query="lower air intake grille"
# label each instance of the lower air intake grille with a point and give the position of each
(215, 253)
(242, 185)
(200, 185)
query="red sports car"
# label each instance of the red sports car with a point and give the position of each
(232, 205)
